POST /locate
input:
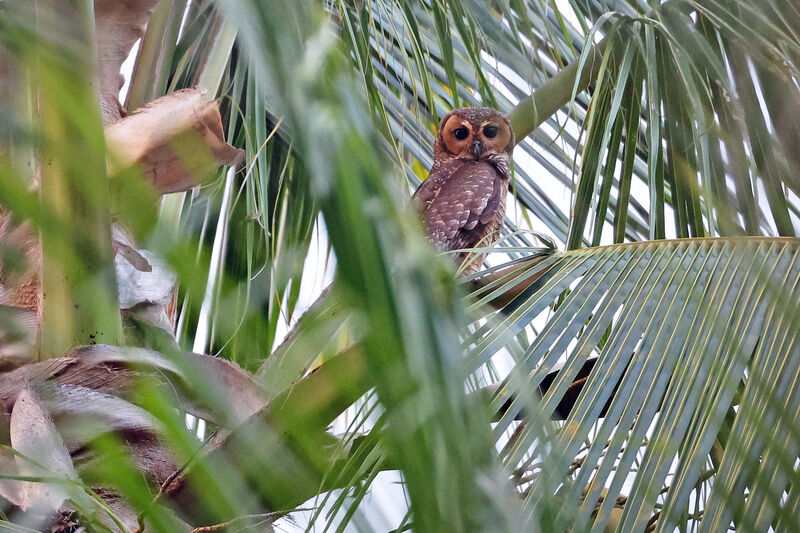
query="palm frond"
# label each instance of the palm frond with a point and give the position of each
(695, 349)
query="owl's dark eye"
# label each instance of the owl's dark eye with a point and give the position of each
(490, 132)
(460, 133)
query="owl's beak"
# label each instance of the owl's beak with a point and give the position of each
(477, 148)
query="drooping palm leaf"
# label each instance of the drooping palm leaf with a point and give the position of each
(694, 384)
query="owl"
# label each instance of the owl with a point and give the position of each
(462, 202)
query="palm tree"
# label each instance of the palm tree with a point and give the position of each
(595, 376)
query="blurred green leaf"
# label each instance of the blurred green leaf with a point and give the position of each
(672, 361)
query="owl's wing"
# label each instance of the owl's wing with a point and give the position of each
(459, 216)
(429, 189)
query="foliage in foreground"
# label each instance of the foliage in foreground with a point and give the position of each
(674, 363)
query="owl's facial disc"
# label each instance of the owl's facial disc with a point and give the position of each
(476, 133)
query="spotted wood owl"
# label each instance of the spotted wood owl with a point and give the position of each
(463, 200)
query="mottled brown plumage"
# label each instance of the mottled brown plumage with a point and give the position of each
(463, 200)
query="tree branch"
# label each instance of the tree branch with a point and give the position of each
(556, 92)
(512, 281)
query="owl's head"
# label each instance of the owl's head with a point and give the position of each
(474, 133)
